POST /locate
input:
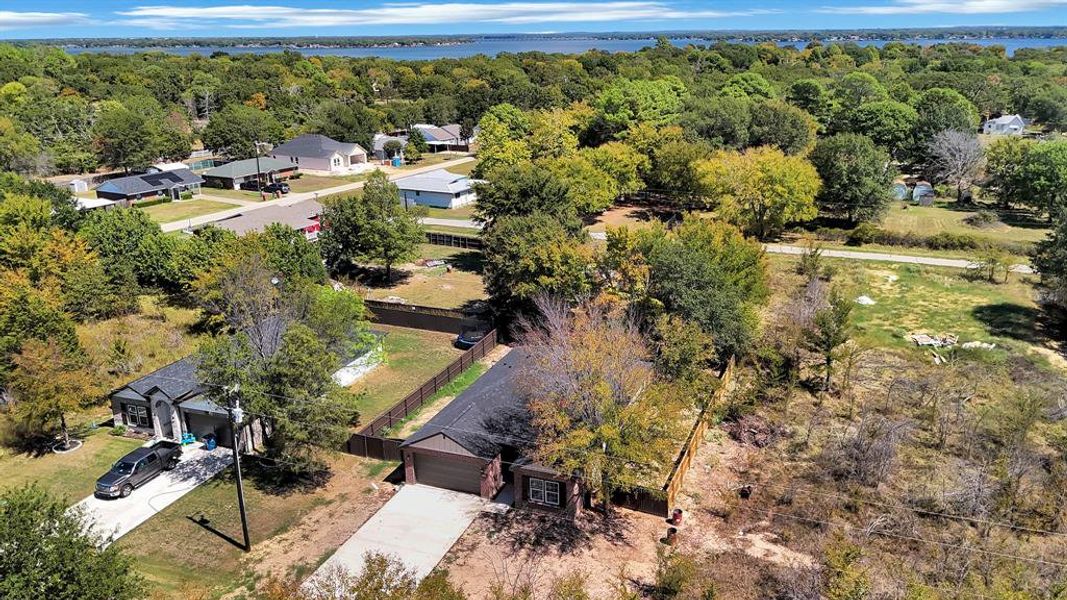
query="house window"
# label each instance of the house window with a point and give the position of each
(543, 491)
(136, 416)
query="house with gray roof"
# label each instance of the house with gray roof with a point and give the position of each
(482, 442)
(318, 154)
(231, 175)
(439, 188)
(381, 139)
(301, 216)
(163, 184)
(171, 401)
(1005, 125)
(445, 137)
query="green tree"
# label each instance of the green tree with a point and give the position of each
(372, 227)
(942, 109)
(622, 162)
(676, 172)
(589, 189)
(418, 141)
(346, 122)
(831, 328)
(775, 123)
(708, 273)
(290, 252)
(1050, 259)
(857, 88)
(502, 140)
(1045, 174)
(811, 96)
(846, 579)
(524, 190)
(626, 102)
(124, 139)
(1050, 108)
(126, 240)
(761, 189)
(234, 130)
(1006, 158)
(27, 313)
(750, 84)
(856, 176)
(47, 384)
(890, 124)
(49, 552)
(724, 121)
(530, 255)
(19, 151)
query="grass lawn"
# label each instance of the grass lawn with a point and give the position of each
(314, 183)
(71, 476)
(463, 212)
(235, 194)
(178, 556)
(185, 209)
(429, 160)
(411, 357)
(437, 286)
(944, 216)
(159, 335)
(914, 298)
(439, 400)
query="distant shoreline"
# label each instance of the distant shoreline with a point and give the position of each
(953, 34)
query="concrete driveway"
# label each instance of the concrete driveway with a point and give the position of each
(119, 516)
(418, 525)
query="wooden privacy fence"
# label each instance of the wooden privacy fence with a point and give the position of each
(369, 441)
(662, 503)
(420, 317)
(456, 241)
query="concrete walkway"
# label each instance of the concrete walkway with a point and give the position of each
(296, 198)
(474, 226)
(117, 517)
(418, 525)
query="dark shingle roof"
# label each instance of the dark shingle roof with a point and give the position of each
(316, 146)
(176, 380)
(151, 182)
(488, 415)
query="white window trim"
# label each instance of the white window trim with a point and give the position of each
(545, 491)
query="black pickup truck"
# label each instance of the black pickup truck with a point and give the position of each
(138, 468)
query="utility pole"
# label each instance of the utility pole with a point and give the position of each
(259, 173)
(236, 414)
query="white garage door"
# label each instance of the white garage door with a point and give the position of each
(448, 473)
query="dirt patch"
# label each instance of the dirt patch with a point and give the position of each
(347, 501)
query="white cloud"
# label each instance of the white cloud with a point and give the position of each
(18, 20)
(248, 16)
(974, 7)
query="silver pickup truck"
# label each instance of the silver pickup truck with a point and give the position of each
(138, 468)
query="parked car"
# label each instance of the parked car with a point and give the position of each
(469, 338)
(270, 188)
(138, 468)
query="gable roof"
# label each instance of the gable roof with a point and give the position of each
(311, 145)
(247, 168)
(176, 380)
(433, 133)
(439, 180)
(151, 182)
(299, 216)
(1007, 120)
(381, 139)
(487, 416)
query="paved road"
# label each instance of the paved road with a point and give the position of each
(118, 517)
(418, 525)
(933, 261)
(295, 198)
(955, 263)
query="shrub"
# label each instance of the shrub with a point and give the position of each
(118, 430)
(983, 219)
(864, 233)
(952, 241)
(186, 195)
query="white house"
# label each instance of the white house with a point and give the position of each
(1006, 125)
(439, 189)
(320, 155)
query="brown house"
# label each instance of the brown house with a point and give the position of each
(478, 444)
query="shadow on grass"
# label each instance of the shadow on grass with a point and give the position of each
(205, 523)
(278, 479)
(1013, 320)
(469, 261)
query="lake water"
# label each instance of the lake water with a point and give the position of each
(492, 47)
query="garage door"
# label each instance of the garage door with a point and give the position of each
(201, 425)
(448, 473)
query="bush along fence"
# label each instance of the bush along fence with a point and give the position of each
(867, 233)
(663, 502)
(455, 241)
(420, 317)
(370, 441)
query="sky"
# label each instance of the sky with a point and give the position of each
(222, 18)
